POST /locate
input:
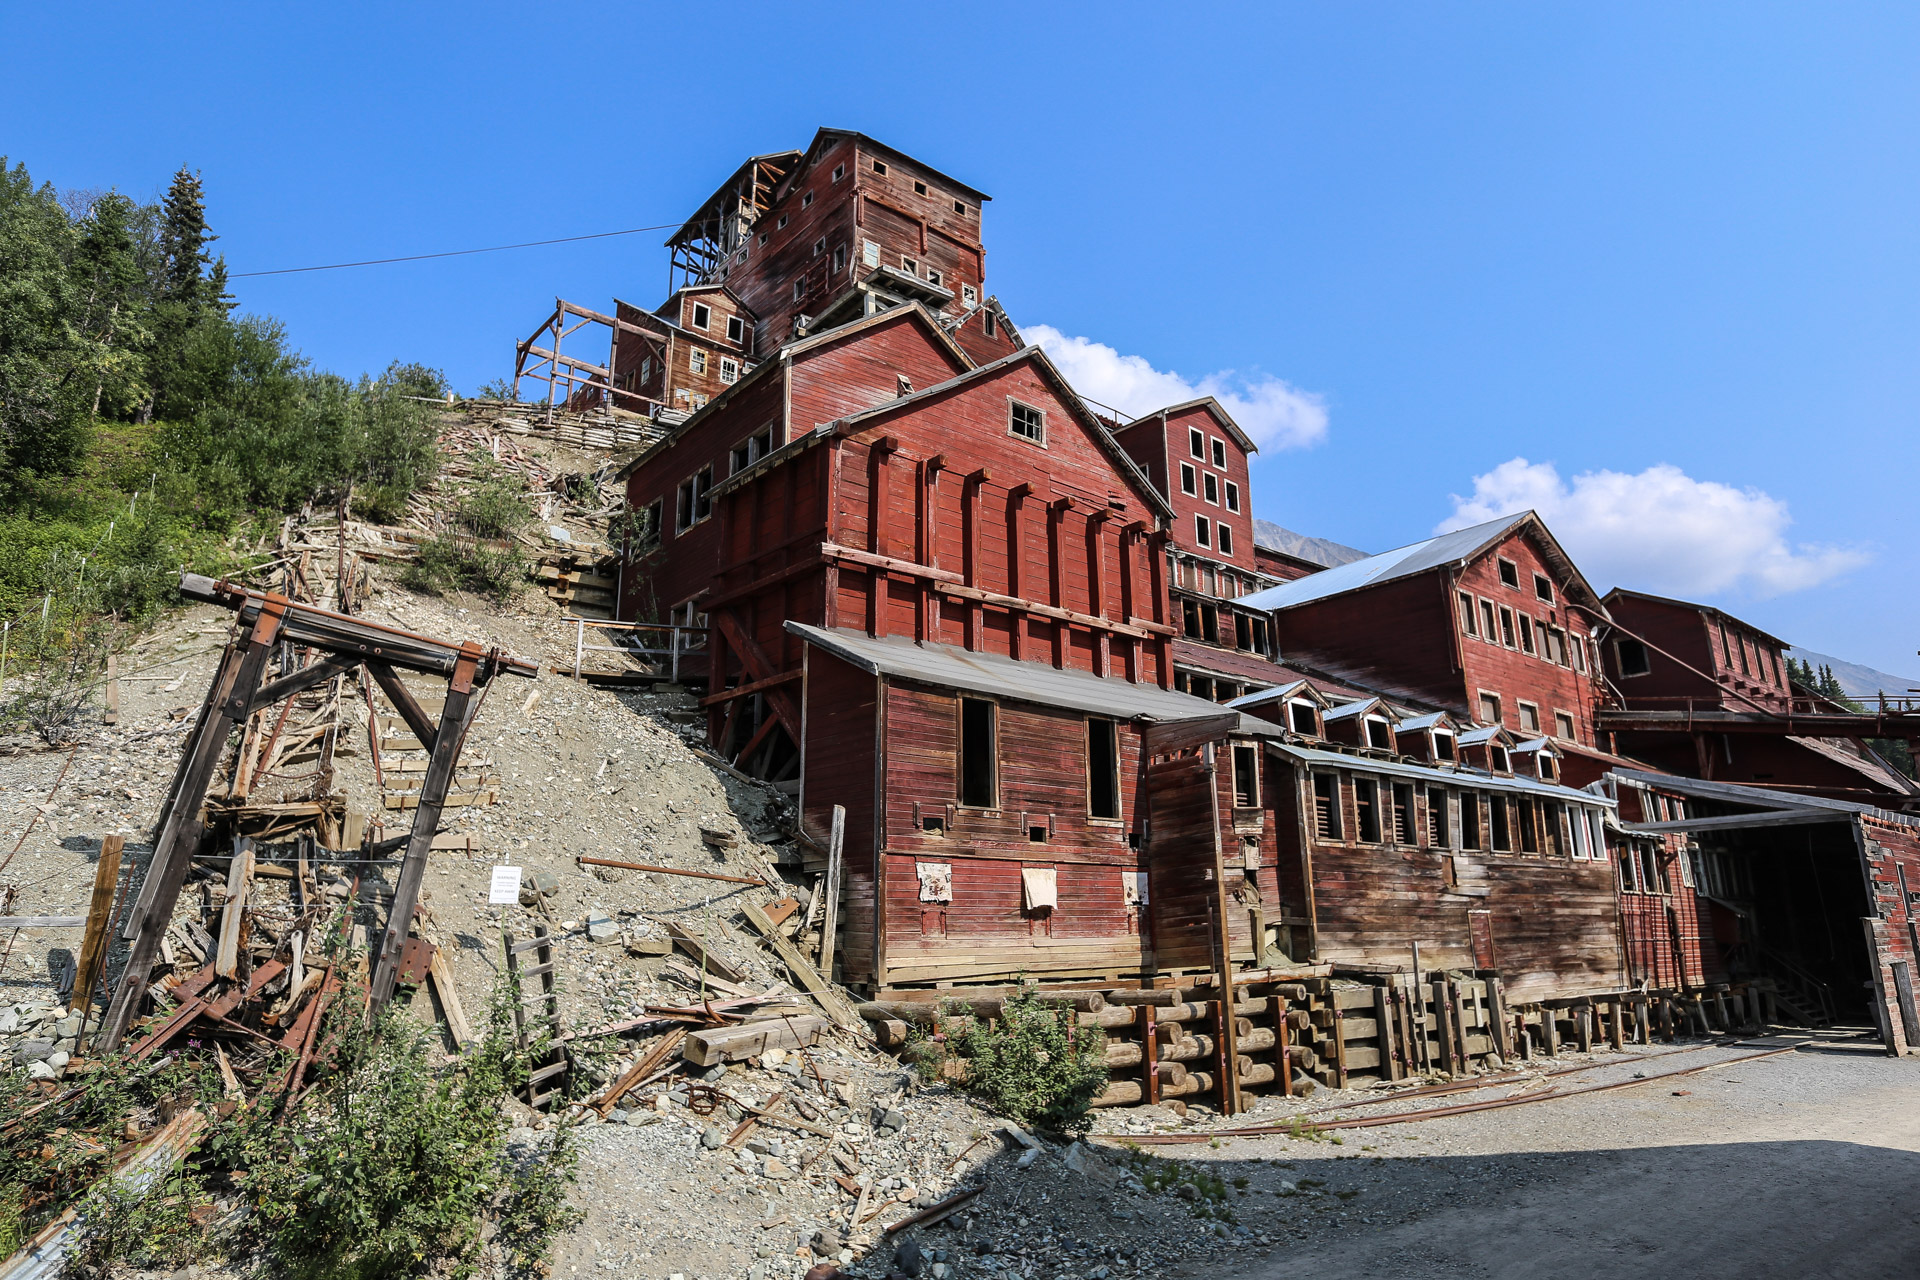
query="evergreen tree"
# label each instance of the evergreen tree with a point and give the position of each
(43, 353)
(115, 303)
(183, 243)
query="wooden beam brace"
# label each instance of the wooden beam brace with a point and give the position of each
(301, 681)
(745, 690)
(404, 702)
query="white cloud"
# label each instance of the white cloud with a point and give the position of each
(1661, 530)
(1274, 413)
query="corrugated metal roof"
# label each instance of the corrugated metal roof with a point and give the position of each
(953, 668)
(1348, 710)
(1448, 548)
(1460, 776)
(1275, 694)
(1415, 724)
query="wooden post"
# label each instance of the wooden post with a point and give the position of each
(1222, 944)
(93, 949)
(1383, 1017)
(1497, 1027)
(1447, 1051)
(830, 920)
(239, 880)
(1282, 1053)
(1550, 1030)
(1456, 1004)
(456, 715)
(1149, 1052)
(113, 691)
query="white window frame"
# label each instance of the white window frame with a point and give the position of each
(969, 297)
(737, 329)
(1202, 531)
(1233, 496)
(1218, 454)
(729, 370)
(702, 316)
(869, 253)
(1013, 430)
(1210, 488)
(1223, 539)
(1197, 443)
(696, 360)
(1189, 480)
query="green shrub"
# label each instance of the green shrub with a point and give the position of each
(1035, 1065)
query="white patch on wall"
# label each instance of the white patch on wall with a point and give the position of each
(936, 881)
(1039, 889)
(1133, 888)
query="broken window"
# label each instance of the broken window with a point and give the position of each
(649, 535)
(737, 330)
(1510, 574)
(799, 288)
(1404, 824)
(729, 369)
(683, 507)
(1027, 422)
(1186, 478)
(1203, 531)
(1196, 443)
(959, 208)
(910, 265)
(1488, 632)
(1470, 820)
(1529, 829)
(1210, 487)
(819, 246)
(1233, 496)
(839, 172)
(702, 313)
(1379, 733)
(1246, 776)
(839, 258)
(1242, 631)
(1210, 623)
(988, 325)
(1219, 453)
(969, 297)
(1103, 769)
(1506, 627)
(1326, 806)
(934, 277)
(1467, 622)
(702, 494)
(1526, 634)
(1437, 818)
(1366, 804)
(1301, 715)
(1442, 745)
(1633, 657)
(1543, 587)
(979, 754)
(1190, 618)
(1223, 535)
(1497, 757)
(696, 360)
(880, 166)
(1497, 815)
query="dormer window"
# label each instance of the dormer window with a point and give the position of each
(1302, 717)
(1442, 745)
(1497, 757)
(1548, 771)
(1379, 733)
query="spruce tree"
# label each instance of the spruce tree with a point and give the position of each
(183, 242)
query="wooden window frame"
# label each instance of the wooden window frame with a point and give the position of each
(1470, 800)
(1232, 495)
(1403, 815)
(1541, 580)
(1189, 480)
(880, 167)
(839, 171)
(1522, 707)
(960, 752)
(1361, 813)
(1197, 443)
(1202, 531)
(737, 330)
(1505, 565)
(1013, 408)
(806, 201)
(1234, 753)
(920, 188)
(702, 316)
(1469, 621)
(1527, 629)
(1565, 720)
(1483, 696)
(1297, 705)
(1490, 622)
(696, 360)
(1452, 753)
(1333, 830)
(1509, 630)
(1620, 658)
(1112, 728)
(1219, 452)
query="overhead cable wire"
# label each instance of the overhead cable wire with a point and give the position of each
(451, 253)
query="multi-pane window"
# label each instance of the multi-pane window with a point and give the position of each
(1026, 422)
(696, 360)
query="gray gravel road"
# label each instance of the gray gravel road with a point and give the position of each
(1806, 1164)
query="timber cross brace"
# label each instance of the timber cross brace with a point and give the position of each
(336, 644)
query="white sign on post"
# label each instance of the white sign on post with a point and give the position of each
(505, 889)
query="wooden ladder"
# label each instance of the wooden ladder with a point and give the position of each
(553, 1064)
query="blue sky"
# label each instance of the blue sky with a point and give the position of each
(1654, 269)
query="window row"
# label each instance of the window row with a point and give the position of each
(1390, 813)
(1193, 574)
(1202, 621)
(702, 319)
(977, 781)
(1565, 727)
(1208, 487)
(1215, 535)
(698, 362)
(1497, 624)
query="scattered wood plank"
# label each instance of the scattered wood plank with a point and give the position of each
(704, 955)
(442, 979)
(648, 1064)
(803, 973)
(239, 877)
(751, 1039)
(665, 871)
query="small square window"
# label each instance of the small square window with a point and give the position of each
(1233, 496)
(697, 360)
(1563, 725)
(933, 277)
(1203, 531)
(919, 188)
(1210, 487)
(1026, 422)
(1197, 444)
(819, 246)
(729, 369)
(879, 166)
(1529, 717)
(1543, 587)
(959, 208)
(806, 199)
(763, 238)
(1224, 536)
(902, 384)
(839, 172)
(736, 330)
(1490, 708)
(910, 265)
(1510, 574)
(1186, 478)
(1220, 454)
(783, 219)
(702, 315)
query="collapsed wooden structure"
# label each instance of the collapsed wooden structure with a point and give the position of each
(280, 649)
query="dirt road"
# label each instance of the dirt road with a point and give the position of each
(1806, 1164)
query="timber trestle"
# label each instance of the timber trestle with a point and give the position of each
(313, 645)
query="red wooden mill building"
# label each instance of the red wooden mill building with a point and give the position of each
(1087, 730)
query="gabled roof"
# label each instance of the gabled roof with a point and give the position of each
(1358, 707)
(1280, 693)
(1431, 720)
(949, 667)
(1129, 470)
(1692, 606)
(1545, 745)
(1483, 733)
(1445, 551)
(716, 287)
(1212, 406)
(783, 358)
